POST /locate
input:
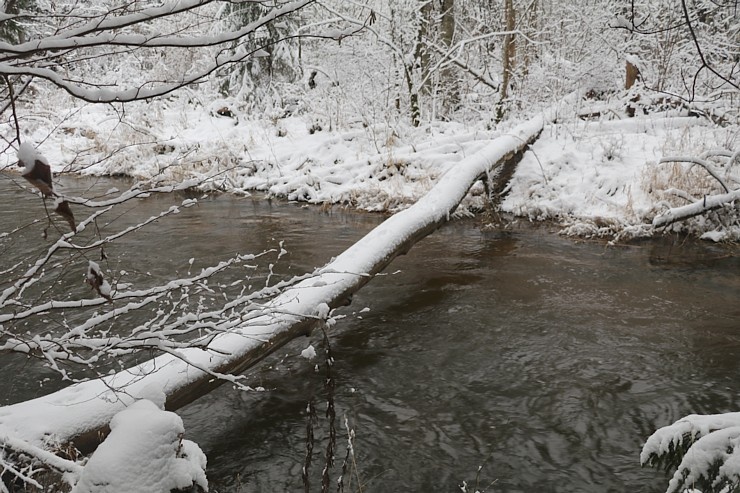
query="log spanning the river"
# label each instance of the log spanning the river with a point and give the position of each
(80, 413)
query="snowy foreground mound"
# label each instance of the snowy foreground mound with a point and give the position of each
(595, 178)
(144, 453)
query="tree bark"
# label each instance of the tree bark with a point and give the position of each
(632, 75)
(508, 57)
(448, 80)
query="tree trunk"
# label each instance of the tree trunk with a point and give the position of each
(417, 74)
(450, 88)
(423, 57)
(414, 108)
(632, 75)
(80, 413)
(508, 57)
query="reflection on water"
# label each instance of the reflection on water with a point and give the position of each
(545, 361)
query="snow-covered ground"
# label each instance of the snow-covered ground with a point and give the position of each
(598, 177)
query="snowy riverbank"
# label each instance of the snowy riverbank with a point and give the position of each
(593, 177)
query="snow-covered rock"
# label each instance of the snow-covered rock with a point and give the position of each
(144, 453)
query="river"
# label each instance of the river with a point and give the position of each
(532, 362)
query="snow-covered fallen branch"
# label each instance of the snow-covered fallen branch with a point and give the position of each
(699, 207)
(79, 412)
(709, 202)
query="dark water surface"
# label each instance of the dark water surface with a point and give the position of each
(545, 361)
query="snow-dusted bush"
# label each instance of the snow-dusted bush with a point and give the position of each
(704, 451)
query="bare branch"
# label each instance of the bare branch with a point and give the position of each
(705, 63)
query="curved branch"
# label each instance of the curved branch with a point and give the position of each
(15, 113)
(77, 39)
(700, 162)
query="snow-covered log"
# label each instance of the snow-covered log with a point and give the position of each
(79, 412)
(708, 203)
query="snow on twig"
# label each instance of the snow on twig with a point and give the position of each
(704, 164)
(44, 456)
(103, 33)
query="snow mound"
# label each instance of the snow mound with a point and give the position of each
(144, 453)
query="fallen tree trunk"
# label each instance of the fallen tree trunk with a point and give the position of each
(80, 413)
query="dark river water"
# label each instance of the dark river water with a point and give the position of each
(515, 360)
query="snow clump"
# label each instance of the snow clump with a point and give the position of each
(144, 453)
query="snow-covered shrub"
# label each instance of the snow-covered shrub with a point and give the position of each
(704, 451)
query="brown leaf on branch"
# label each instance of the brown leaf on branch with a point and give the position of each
(65, 211)
(38, 171)
(97, 282)
(40, 177)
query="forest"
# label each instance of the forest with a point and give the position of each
(608, 126)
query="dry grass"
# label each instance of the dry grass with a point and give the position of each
(677, 183)
(667, 181)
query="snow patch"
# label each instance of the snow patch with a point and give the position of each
(28, 155)
(322, 311)
(309, 353)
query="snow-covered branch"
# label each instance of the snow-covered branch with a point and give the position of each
(105, 32)
(700, 162)
(52, 57)
(703, 449)
(697, 207)
(708, 203)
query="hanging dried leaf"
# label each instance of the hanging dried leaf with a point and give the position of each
(40, 177)
(97, 282)
(65, 211)
(38, 171)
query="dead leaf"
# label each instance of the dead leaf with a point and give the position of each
(40, 177)
(97, 282)
(65, 211)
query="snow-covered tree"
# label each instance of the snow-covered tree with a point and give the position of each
(143, 50)
(277, 63)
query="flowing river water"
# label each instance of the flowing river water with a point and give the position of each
(515, 360)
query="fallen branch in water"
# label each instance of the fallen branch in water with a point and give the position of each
(80, 413)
